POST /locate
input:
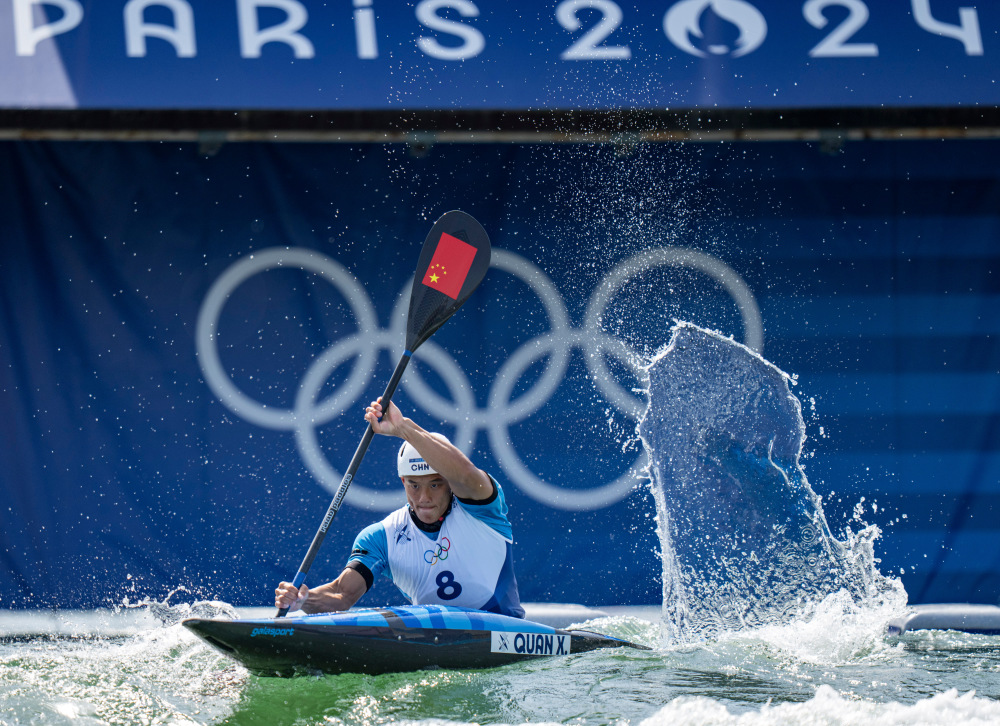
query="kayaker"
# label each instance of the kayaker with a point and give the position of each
(450, 544)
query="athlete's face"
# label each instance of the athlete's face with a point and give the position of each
(428, 495)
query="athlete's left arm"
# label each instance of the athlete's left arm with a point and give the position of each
(491, 511)
(466, 479)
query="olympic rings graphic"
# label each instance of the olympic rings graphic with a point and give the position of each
(431, 557)
(555, 346)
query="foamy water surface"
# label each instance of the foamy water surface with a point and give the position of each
(835, 667)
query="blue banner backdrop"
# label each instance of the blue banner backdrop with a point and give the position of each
(187, 342)
(497, 54)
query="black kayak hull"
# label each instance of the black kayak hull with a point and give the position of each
(391, 640)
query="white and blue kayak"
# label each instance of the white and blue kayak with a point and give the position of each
(391, 640)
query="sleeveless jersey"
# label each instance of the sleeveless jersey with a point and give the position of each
(469, 565)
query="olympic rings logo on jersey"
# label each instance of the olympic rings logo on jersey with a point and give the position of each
(431, 557)
(553, 347)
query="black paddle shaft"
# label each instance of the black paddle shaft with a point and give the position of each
(452, 263)
(352, 469)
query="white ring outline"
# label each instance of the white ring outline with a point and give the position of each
(753, 329)
(206, 332)
(499, 437)
(305, 433)
(528, 403)
(461, 411)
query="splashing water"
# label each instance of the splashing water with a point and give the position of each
(744, 540)
(157, 676)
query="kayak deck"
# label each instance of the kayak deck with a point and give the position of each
(391, 640)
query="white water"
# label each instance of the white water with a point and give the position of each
(837, 667)
(829, 707)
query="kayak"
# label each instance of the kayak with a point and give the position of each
(391, 640)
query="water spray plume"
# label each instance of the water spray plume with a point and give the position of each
(744, 539)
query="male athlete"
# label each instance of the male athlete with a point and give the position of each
(450, 545)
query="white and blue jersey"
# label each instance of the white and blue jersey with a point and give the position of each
(467, 563)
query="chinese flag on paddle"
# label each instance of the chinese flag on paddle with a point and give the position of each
(453, 261)
(449, 265)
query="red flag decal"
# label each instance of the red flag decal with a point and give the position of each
(449, 265)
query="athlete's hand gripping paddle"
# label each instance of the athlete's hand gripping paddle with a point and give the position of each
(453, 261)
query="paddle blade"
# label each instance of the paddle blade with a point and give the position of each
(453, 261)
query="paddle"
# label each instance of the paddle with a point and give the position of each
(452, 263)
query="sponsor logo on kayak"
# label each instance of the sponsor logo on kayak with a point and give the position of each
(529, 643)
(273, 632)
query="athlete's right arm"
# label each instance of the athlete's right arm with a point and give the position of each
(370, 551)
(334, 596)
